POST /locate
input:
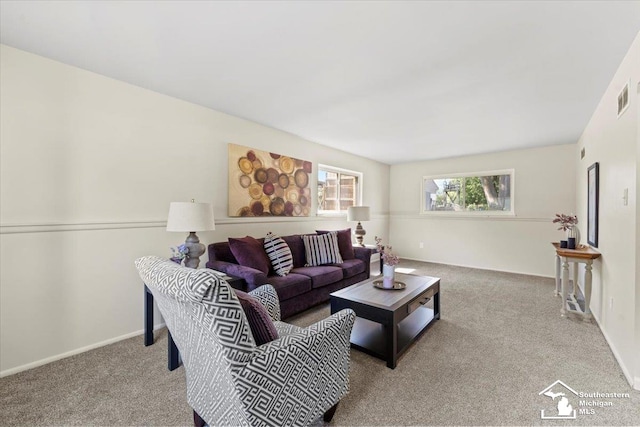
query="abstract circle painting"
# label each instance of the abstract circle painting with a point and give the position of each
(262, 183)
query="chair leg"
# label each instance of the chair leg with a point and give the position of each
(197, 420)
(328, 416)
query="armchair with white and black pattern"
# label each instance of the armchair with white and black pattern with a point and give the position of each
(293, 380)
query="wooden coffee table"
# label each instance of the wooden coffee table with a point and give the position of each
(389, 321)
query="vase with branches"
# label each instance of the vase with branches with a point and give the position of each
(568, 224)
(388, 257)
(389, 261)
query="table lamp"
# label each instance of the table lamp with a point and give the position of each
(191, 217)
(358, 213)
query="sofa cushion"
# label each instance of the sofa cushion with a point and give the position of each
(344, 243)
(322, 249)
(260, 323)
(290, 285)
(250, 253)
(221, 251)
(297, 249)
(352, 267)
(321, 275)
(279, 254)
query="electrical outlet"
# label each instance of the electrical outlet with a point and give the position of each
(421, 245)
(625, 196)
(611, 303)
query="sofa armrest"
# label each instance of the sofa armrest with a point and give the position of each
(364, 254)
(319, 355)
(253, 277)
(268, 297)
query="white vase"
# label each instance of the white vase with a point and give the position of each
(574, 232)
(388, 275)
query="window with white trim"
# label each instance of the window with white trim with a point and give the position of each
(338, 189)
(488, 193)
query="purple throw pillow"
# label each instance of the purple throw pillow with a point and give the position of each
(260, 322)
(344, 243)
(250, 253)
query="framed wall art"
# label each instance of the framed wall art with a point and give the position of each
(262, 183)
(593, 176)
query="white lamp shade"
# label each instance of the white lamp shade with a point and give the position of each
(186, 216)
(358, 213)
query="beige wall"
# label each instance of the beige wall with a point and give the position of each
(637, 313)
(613, 143)
(88, 168)
(544, 185)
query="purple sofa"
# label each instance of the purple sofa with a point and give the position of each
(304, 287)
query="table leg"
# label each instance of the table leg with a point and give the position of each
(172, 353)
(558, 268)
(587, 291)
(565, 285)
(575, 280)
(392, 344)
(436, 306)
(148, 316)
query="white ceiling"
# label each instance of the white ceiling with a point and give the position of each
(392, 81)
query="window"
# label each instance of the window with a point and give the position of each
(483, 192)
(338, 189)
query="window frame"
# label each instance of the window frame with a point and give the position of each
(334, 169)
(511, 212)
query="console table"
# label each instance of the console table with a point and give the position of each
(584, 255)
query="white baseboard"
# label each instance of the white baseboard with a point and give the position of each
(41, 362)
(479, 268)
(624, 369)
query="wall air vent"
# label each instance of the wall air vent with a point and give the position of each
(623, 99)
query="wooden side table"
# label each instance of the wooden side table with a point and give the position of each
(584, 255)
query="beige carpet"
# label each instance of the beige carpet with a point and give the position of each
(499, 343)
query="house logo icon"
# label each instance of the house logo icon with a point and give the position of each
(558, 392)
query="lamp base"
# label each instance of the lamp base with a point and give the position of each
(196, 249)
(359, 232)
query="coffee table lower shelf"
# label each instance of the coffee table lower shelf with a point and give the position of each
(389, 321)
(369, 336)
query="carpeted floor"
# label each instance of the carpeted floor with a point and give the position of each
(500, 342)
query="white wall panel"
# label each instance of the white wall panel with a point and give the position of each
(544, 185)
(614, 143)
(88, 167)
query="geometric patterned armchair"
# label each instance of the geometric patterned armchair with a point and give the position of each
(292, 380)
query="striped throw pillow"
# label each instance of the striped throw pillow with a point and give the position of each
(279, 253)
(322, 249)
